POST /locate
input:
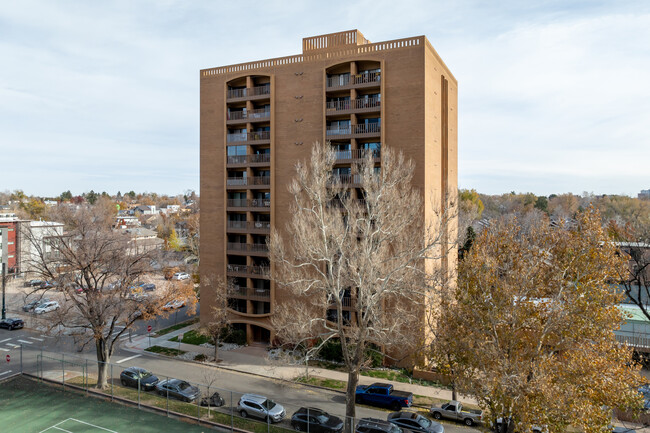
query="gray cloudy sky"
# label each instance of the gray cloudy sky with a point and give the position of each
(554, 95)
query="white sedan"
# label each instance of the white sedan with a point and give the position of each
(47, 307)
(181, 276)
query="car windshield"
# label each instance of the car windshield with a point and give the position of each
(144, 374)
(423, 421)
(322, 418)
(184, 385)
(269, 404)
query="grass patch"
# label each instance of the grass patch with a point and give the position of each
(321, 381)
(200, 357)
(220, 415)
(401, 376)
(165, 350)
(193, 337)
(176, 327)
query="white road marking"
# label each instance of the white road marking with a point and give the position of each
(5, 372)
(3, 341)
(25, 341)
(37, 339)
(127, 359)
(6, 350)
(13, 345)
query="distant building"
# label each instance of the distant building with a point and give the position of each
(143, 240)
(644, 194)
(8, 229)
(170, 209)
(33, 243)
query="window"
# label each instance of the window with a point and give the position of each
(236, 150)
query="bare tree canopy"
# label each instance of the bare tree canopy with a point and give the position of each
(92, 271)
(530, 327)
(358, 266)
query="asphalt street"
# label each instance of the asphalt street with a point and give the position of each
(290, 395)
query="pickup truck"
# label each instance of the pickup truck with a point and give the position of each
(383, 394)
(454, 410)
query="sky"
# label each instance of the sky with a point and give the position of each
(554, 96)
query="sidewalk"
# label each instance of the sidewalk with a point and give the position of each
(254, 360)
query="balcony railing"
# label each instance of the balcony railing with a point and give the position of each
(261, 113)
(354, 104)
(342, 155)
(248, 181)
(252, 248)
(364, 128)
(339, 204)
(250, 293)
(249, 159)
(347, 80)
(345, 179)
(251, 91)
(346, 301)
(248, 136)
(256, 202)
(249, 225)
(251, 270)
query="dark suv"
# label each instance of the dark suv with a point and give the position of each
(375, 425)
(315, 420)
(132, 375)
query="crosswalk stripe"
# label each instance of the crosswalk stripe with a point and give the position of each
(37, 339)
(5, 372)
(6, 350)
(5, 340)
(13, 345)
(25, 341)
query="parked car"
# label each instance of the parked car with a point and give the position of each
(131, 376)
(47, 307)
(500, 427)
(149, 287)
(454, 410)
(48, 284)
(315, 420)
(383, 394)
(33, 283)
(415, 422)
(172, 305)
(260, 407)
(33, 304)
(12, 324)
(374, 425)
(215, 400)
(179, 389)
(181, 276)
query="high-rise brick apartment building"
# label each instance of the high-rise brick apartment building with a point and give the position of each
(259, 118)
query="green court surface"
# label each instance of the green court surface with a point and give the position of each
(27, 406)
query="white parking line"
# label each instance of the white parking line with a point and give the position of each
(25, 341)
(5, 340)
(128, 359)
(5, 372)
(37, 339)
(13, 345)
(5, 350)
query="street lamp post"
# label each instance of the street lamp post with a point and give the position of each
(4, 309)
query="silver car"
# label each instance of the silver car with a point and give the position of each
(260, 407)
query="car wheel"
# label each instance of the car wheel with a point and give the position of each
(437, 415)
(469, 422)
(297, 427)
(123, 382)
(243, 414)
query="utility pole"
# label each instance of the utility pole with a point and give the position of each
(4, 309)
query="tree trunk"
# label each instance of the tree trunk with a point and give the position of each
(216, 350)
(454, 393)
(102, 363)
(350, 408)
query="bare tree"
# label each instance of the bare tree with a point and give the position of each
(92, 270)
(217, 325)
(358, 267)
(635, 278)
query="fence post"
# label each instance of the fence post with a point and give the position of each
(138, 390)
(63, 371)
(86, 377)
(198, 406)
(111, 382)
(268, 421)
(21, 358)
(167, 394)
(41, 364)
(232, 414)
(308, 418)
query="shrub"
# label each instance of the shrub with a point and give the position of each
(234, 336)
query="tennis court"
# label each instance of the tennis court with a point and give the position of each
(27, 406)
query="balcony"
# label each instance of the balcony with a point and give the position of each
(249, 137)
(258, 92)
(250, 181)
(242, 203)
(248, 116)
(353, 180)
(366, 79)
(338, 204)
(359, 105)
(249, 226)
(242, 248)
(346, 302)
(357, 154)
(248, 271)
(355, 131)
(250, 293)
(257, 159)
